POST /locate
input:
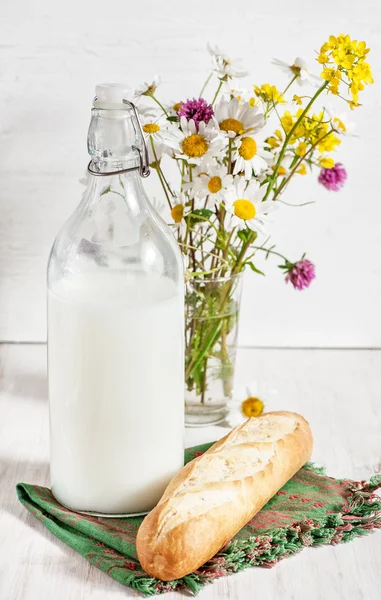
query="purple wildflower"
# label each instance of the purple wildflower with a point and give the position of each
(198, 110)
(333, 179)
(301, 274)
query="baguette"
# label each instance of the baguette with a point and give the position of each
(215, 495)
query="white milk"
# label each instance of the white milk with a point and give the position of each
(116, 386)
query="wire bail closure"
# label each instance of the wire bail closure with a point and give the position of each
(143, 153)
(144, 169)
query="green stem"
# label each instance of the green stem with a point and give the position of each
(269, 251)
(215, 329)
(158, 170)
(230, 157)
(289, 136)
(160, 104)
(166, 182)
(274, 104)
(217, 92)
(299, 162)
(205, 84)
(289, 85)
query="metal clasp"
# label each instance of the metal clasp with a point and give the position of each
(144, 169)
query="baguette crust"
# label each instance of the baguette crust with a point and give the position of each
(216, 494)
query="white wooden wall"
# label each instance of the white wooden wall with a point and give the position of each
(51, 56)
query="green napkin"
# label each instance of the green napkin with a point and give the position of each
(311, 509)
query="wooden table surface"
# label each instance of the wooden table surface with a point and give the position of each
(339, 391)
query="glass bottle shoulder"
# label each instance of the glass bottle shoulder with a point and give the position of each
(114, 238)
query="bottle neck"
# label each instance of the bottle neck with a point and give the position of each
(112, 140)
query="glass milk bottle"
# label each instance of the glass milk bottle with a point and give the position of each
(115, 331)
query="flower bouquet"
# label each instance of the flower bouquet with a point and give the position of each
(236, 156)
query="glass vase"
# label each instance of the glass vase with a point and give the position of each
(211, 329)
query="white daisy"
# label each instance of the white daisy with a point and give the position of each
(250, 156)
(237, 119)
(148, 89)
(244, 203)
(165, 136)
(242, 94)
(172, 108)
(298, 69)
(200, 144)
(250, 401)
(223, 65)
(209, 181)
(178, 212)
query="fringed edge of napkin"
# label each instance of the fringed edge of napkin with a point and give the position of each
(361, 514)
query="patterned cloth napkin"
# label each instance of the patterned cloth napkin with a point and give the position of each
(311, 509)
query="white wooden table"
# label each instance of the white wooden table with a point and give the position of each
(338, 391)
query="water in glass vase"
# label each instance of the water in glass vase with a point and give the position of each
(211, 329)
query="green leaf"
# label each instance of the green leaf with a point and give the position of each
(244, 234)
(203, 212)
(254, 268)
(199, 215)
(106, 190)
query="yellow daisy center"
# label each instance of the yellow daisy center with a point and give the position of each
(282, 171)
(248, 148)
(151, 128)
(177, 213)
(150, 90)
(214, 184)
(244, 209)
(232, 125)
(252, 407)
(296, 70)
(195, 146)
(176, 107)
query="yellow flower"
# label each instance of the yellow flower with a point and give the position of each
(252, 407)
(302, 169)
(327, 162)
(329, 143)
(287, 121)
(338, 125)
(301, 149)
(275, 140)
(334, 89)
(297, 100)
(362, 72)
(349, 57)
(352, 105)
(268, 93)
(323, 58)
(332, 75)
